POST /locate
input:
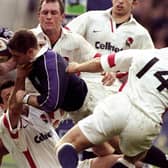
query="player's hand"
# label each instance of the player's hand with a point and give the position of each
(72, 67)
(24, 70)
(108, 78)
(20, 95)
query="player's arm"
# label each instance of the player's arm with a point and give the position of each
(93, 65)
(114, 62)
(15, 108)
(48, 97)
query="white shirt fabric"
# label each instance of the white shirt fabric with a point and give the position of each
(100, 30)
(31, 144)
(70, 45)
(135, 114)
(144, 91)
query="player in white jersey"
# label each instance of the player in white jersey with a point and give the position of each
(70, 45)
(114, 29)
(135, 114)
(30, 138)
(31, 142)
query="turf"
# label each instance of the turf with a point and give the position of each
(8, 162)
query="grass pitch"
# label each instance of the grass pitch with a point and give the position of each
(8, 162)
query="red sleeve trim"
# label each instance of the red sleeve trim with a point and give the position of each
(122, 86)
(121, 74)
(111, 60)
(97, 55)
(67, 28)
(112, 30)
(5, 121)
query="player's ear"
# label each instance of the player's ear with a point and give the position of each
(30, 53)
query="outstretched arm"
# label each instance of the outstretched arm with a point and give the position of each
(93, 65)
(114, 62)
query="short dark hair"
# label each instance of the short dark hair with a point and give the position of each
(5, 85)
(22, 41)
(61, 4)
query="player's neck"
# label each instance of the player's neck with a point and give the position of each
(54, 37)
(121, 19)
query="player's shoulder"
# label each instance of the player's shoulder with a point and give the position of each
(71, 35)
(139, 27)
(95, 14)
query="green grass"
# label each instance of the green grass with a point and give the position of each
(76, 9)
(8, 162)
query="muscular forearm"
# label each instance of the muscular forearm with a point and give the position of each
(90, 66)
(15, 108)
(93, 65)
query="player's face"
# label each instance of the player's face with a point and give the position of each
(50, 17)
(21, 58)
(122, 7)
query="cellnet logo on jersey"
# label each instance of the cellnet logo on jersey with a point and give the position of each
(43, 136)
(107, 46)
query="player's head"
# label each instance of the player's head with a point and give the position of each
(51, 15)
(5, 91)
(123, 7)
(5, 35)
(22, 46)
(60, 2)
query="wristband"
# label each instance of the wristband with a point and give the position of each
(26, 98)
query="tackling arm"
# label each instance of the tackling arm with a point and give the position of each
(93, 65)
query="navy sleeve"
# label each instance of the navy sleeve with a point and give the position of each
(47, 77)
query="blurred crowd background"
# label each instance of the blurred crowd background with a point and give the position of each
(153, 14)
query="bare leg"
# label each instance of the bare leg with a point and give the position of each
(105, 161)
(68, 147)
(75, 137)
(128, 162)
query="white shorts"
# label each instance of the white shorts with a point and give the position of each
(115, 115)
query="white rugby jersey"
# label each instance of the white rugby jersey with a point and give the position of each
(31, 144)
(70, 45)
(147, 86)
(100, 30)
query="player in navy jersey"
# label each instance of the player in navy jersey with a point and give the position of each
(57, 88)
